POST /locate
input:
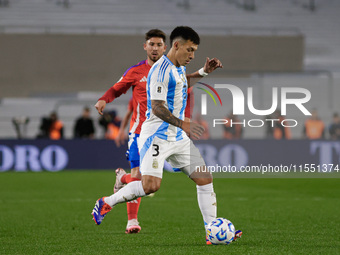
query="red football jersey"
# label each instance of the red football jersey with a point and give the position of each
(130, 105)
(135, 77)
(190, 103)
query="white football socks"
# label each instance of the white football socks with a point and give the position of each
(130, 192)
(207, 202)
(205, 196)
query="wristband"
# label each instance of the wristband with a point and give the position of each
(202, 73)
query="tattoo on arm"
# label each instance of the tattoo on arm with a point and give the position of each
(163, 113)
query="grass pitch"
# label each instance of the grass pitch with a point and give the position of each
(49, 213)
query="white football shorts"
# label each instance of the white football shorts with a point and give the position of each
(181, 154)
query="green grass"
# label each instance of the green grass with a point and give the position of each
(49, 213)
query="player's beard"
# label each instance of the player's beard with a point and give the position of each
(154, 58)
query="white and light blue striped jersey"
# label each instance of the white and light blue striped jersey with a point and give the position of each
(168, 83)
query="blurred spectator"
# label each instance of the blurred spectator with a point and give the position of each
(44, 127)
(275, 129)
(232, 130)
(111, 123)
(204, 123)
(51, 127)
(20, 125)
(84, 125)
(314, 127)
(334, 128)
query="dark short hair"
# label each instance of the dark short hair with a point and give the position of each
(155, 33)
(187, 33)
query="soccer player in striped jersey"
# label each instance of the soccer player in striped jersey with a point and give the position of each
(136, 77)
(164, 134)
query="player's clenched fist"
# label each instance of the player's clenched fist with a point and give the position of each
(100, 106)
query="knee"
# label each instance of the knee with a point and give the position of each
(202, 177)
(151, 185)
(150, 188)
(203, 181)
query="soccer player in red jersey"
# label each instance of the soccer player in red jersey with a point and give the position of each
(136, 77)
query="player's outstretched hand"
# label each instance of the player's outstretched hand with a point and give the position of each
(212, 64)
(193, 129)
(100, 106)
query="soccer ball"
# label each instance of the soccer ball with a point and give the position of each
(220, 231)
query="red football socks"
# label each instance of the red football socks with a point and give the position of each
(126, 178)
(132, 206)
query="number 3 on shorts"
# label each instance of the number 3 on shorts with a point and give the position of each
(156, 147)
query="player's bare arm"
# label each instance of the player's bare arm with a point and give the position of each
(119, 88)
(163, 113)
(210, 65)
(121, 136)
(195, 130)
